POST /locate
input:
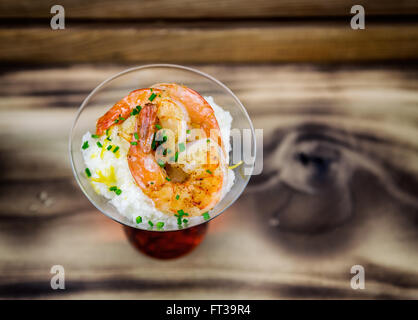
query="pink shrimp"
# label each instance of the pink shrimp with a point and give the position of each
(122, 109)
(202, 182)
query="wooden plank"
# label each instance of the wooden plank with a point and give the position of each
(277, 42)
(202, 9)
(369, 112)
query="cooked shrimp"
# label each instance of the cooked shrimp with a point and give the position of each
(122, 109)
(194, 184)
(198, 109)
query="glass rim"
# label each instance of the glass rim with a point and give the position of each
(148, 66)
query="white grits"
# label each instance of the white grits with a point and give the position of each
(132, 202)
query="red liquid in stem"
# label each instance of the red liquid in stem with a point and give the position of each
(166, 245)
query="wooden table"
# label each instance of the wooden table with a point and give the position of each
(338, 119)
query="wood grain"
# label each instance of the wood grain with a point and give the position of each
(265, 42)
(202, 9)
(368, 111)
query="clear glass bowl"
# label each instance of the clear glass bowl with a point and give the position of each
(105, 95)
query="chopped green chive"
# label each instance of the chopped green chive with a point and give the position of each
(114, 188)
(99, 144)
(153, 143)
(136, 135)
(138, 219)
(85, 145)
(151, 89)
(206, 215)
(151, 182)
(161, 163)
(118, 192)
(88, 173)
(165, 152)
(134, 143)
(152, 97)
(177, 197)
(165, 138)
(109, 147)
(107, 132)
(160, 225)
(180, 215)
(95, 136)
(158, 126)
(187, 131)
(121, 118)
(108, 139)
(116, 149)
(167, 178)
(138, 108)
(150, 223)
(208, 140)
(117, 120)
(176, 157)
(181, 147)
(208, 171)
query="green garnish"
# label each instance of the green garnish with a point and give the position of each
(160, 225)
(153, 143)
(117, 120)
(134, 143)
(107, 132)
(181, 147)
(167, 178)
(208, 140)
(187, 131)
(152, 97)
(85, 145)
(151, 182)
(138, 219)
(185, 220)
(161, 163)
(165, 152)
(121, 118)
(180, 215)
(88, 173)
(116, 149)
(99, 144)
(177, 197)
(109, 147)
(150, 223)
(176, 157)
(136, 135)
(158, 126)
(165, 138)
(136, 110)
(108, 139)
(208, 171)
(95, 136)
(116, 190)
(206, 215)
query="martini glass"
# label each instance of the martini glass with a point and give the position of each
(171, 242)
